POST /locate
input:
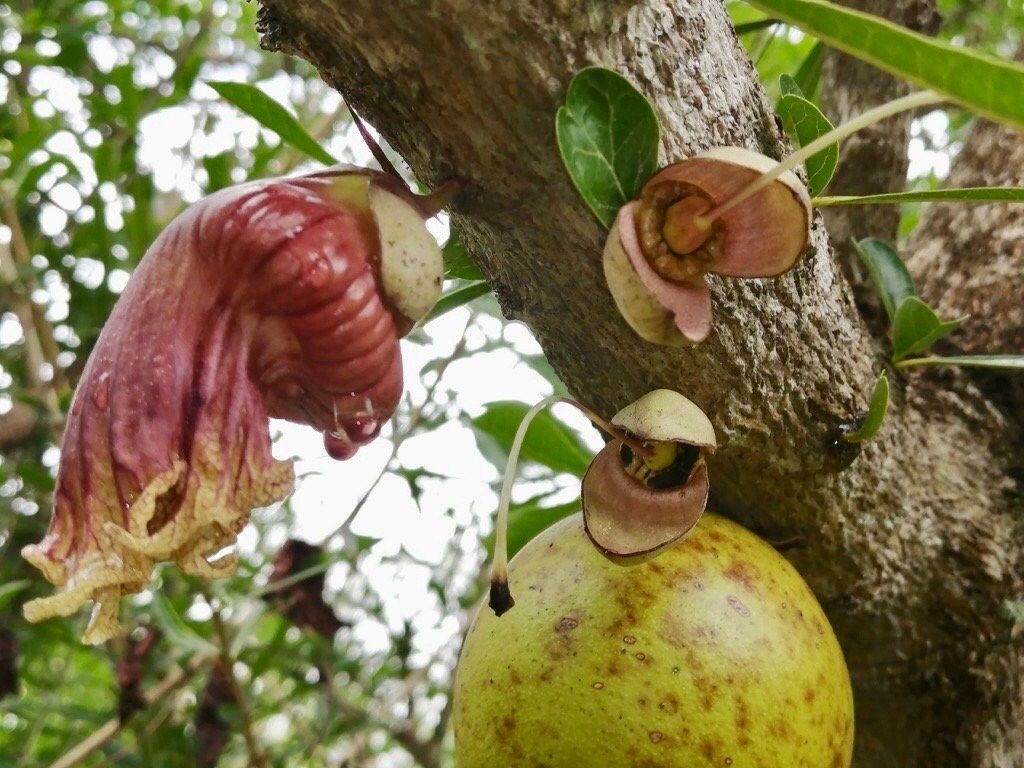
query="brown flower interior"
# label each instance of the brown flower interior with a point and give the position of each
(675, 244)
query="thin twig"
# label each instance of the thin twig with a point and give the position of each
(256, 754)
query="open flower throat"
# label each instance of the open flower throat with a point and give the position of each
(670, 235)
(263, 300)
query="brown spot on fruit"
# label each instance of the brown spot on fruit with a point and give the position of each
(669, 704)
(598, 686)
(567, 624)
(707, 748)
(656, 737)
(737, 605)
(742, 574)
(629, 640)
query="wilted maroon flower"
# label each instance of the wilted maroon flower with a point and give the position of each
(282, 298)
(303, 602)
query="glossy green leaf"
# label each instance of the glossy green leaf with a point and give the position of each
(985, 84)
(527, 520)
(915, 327)
(789, 85)
(1000, 362)
(747, 27)
(877, 408)
(9, 590)
(958, 195)
(548, 441)
(457, 264)
(804, 122)
(456, 298)
(540, 364)
(174, 627)
(888, 272)
(608, 137)
(808, 76)
(272, 116)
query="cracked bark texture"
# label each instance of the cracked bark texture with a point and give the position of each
(912, 548)
(874, 159)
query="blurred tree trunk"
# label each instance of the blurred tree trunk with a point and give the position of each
(914, 548)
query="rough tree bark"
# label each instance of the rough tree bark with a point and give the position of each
(912, 548)
(970, 259)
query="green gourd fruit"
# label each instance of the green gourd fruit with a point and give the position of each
(710, 652)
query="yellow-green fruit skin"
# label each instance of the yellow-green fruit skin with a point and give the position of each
(711, 653)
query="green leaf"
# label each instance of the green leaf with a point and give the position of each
(753, 26)
(808, 75)
(540, 364)
(985, 84)
(788, 85)
(915, 327)
(1000, 362)
(876, 412)
(888, 272)
(9, 590)
(805, 123)
(527, 520)
(457, 264)
(608, 137)
(178, 632)
(959, 194)
(548, 441)
(456, 298)
(272, 116)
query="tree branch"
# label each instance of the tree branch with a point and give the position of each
(913, 548)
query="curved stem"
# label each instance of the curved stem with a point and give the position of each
(872, 116)
(500, 596)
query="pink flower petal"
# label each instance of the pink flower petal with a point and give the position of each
(624, 517)
(689, 304)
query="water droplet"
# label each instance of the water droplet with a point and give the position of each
(338, 446)
(362, 429)
(675, 670)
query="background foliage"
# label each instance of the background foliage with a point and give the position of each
(107, 131)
